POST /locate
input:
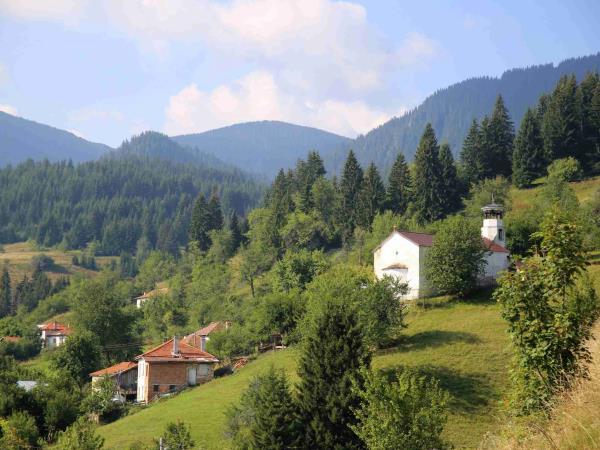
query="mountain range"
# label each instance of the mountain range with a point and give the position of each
(266, 146)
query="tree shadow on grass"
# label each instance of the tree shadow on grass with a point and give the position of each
(469, 393)
(432, 338)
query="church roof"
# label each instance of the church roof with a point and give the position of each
(426, 240)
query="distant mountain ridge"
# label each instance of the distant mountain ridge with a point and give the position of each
(21, 139)
(451, 110)
(265, 147)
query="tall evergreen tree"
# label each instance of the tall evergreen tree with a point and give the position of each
(214, 212)
(5, 293)
(451, 184)
(236, 232)
(590, 131)
(561, 122)
(595, 122)
(471, 155)
(279, 197)
(398, 192)
(501, 143)
(200, 223)
(528, 159)
(428, 183)
(307, 172)
(330, 366)
(350, 187)
(372, 196)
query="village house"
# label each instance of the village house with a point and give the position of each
(139, 301)
(54, 334)
(124, 376)
(12, 339)
(199, 338)
(402, 254)
(170, 367)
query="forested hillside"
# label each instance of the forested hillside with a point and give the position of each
(21, 139)
(452, 110)
(120, 204)
(264, 147)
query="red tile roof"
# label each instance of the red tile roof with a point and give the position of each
(493, 246)
(164, 352)
(195, 338)
(421, 239)
(117, 368)
(56, 327)
(154, 293)
(10, 338)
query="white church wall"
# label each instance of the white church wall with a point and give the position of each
(496, 263)
(399, 250)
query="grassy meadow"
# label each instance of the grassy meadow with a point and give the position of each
(463, 344)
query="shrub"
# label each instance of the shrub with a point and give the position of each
(566, 169)
(401, 410)
(42, 262)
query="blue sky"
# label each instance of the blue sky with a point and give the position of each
(106, 69)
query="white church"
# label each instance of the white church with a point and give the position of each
(402, 254)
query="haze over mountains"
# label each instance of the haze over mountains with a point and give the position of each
(265, 147)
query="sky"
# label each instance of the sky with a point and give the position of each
(108, 69)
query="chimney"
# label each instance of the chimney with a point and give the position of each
(175, 345)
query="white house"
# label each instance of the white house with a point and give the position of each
(54, 334)
(402, 254)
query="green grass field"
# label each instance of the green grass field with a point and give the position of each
(463, 344)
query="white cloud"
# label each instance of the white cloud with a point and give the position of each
(69, 11)
(258, 97)
(8, 109)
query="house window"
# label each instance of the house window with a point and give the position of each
(202, 370)
(501, 234)
(172, 387)
(155, 387)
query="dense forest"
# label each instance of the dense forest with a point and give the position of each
(119, 203)
(452, 110)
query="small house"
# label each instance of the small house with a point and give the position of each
(54, 334)
(170, 367)
(139, 301)
(124, 375)
(199, 338)
(402, 254)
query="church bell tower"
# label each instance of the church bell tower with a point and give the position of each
(493, 226)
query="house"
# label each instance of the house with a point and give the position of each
(124, 375)
(170, 367)
(199, 338)
(402, 254)
(139, 301)
(11, 339)
(54, 334)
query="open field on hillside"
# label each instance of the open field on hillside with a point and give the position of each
(461, 343)
(19, 256)
(523, 198)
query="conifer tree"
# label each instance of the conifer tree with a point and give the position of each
(561, 122)
(528, 156)
(398, 192)
(372, 196)
(214, 212)
(487, 149)
(350, 187)
(500, 144)
(200, 223)
(5, 293)
(471, 155)
(279, 197)
(590, 131)
(451, 185)
(307, 172)
(427, 183)
(236, 232)
(331, 363)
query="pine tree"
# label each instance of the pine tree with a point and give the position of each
(279, 197)
(471, 155)
(329, 369)
(427, 183)
(275, 426)
(307, 172)
(451, 185)
(215, 221)
(561, 122)
(236, 232)
(529, 159)
(5, 293)
(590, 131)
(501, 143)
(350, 187)
(372, 197)
(200, 223)
(595, 121)
(398, 192)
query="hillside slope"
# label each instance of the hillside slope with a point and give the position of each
(265, 147)
(21, 139)
(451, 110)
